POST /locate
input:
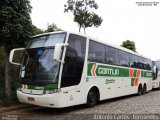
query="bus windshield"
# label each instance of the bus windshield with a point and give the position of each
(47, 40)
(38, 65)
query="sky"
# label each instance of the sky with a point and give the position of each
(122, 20)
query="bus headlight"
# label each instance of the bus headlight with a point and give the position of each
(51, 91)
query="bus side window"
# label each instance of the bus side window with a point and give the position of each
(74, 61)
(133, 61)
(78, 43)
(140, 63)
(145, 64)
(149, 64)
(123, 58)
(111, 56)
(96, 52)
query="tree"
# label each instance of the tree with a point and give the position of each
(82, 11)
(52, 28)
(129, 45)
(36, 30)
(15, 29)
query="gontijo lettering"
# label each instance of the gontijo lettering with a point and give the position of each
(108, 71)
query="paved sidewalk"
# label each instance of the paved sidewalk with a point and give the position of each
(16, 107)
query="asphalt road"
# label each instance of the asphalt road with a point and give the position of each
(147, 105)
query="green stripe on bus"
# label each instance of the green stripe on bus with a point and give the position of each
(111, 71)
(135, 73)
(147, 74)
(114, 71)
(132, 81)
(104, 70)
(90, 65)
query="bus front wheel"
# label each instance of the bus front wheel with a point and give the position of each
(92, 98)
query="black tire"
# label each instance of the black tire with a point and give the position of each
(144, 89)
(140, 90)
(92, 98)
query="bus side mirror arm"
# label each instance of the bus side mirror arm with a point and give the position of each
(12, 54)
(58, 51)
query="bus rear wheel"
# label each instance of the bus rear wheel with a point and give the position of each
(140, 90)
(144, 89)
(92, 98)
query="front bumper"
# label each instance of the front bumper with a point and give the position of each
(46, 100)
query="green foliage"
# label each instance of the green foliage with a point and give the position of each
(82, 11)
(15, 23)
(52, 28)
(36, 30)
(129, 45)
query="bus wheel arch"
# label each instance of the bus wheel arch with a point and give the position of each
(140, 89)
(93, 96)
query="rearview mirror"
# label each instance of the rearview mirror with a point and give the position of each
(58, 50)
(12, 54)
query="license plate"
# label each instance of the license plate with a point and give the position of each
(30, 99)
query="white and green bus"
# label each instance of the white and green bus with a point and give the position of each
(62, 69)
(156, 74)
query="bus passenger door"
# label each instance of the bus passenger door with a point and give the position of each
(72, 69)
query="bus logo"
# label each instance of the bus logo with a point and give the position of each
(93, 71)
(108, 71)
(101, 70)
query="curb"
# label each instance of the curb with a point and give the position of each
(7, 109)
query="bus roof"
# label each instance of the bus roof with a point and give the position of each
(96, 40)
